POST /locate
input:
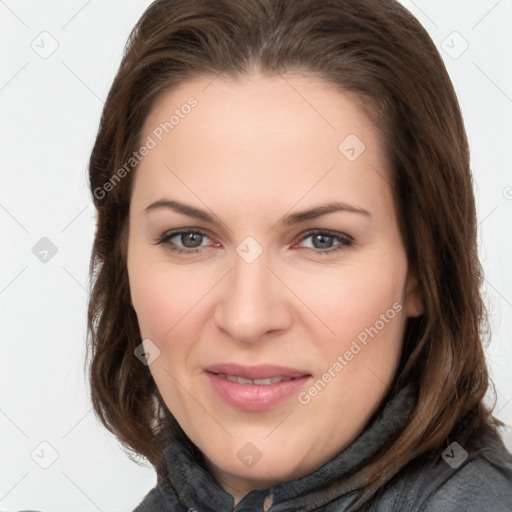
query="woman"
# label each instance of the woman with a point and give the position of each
(285, 310)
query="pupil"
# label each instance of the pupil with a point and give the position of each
(191, 237)
(324, 237)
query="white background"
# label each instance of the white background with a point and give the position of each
(50, 112)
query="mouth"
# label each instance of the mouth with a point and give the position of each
(258, 382)
(260, 372)
(255, 388)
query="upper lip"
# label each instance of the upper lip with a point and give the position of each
(262, 371)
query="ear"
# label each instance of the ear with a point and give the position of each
(413, 296)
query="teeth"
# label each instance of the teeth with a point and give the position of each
(259, 382)
(270, 380)
(240, 380)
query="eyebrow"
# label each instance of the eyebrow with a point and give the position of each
(288, 220)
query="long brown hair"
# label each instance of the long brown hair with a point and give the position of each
(377, 51)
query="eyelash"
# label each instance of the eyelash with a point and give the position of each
(345, 240)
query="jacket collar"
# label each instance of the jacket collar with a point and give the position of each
(183, 478)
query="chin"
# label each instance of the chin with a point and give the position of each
(264, 463)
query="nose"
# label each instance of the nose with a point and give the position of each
(254, 302)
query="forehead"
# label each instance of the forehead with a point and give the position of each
(282, 105)
(290, 132)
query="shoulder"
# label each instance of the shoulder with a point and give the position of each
(455, 481)
(155, 501)
(479, 485)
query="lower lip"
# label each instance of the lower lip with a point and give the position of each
(254, 397)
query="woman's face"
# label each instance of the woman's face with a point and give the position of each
(272, 333)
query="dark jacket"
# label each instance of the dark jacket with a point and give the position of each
(457, 481)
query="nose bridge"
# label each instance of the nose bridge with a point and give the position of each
(253, 301)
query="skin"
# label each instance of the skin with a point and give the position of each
(252, 151)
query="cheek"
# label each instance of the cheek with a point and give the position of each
(367, 315)
(164, 304)
(172, 305)
(355, 299)
(160, 300)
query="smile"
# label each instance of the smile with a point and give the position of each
(255, 388)
(259, 382)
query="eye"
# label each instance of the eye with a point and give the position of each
(323, 241)
(190, 238)
(191, 241)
